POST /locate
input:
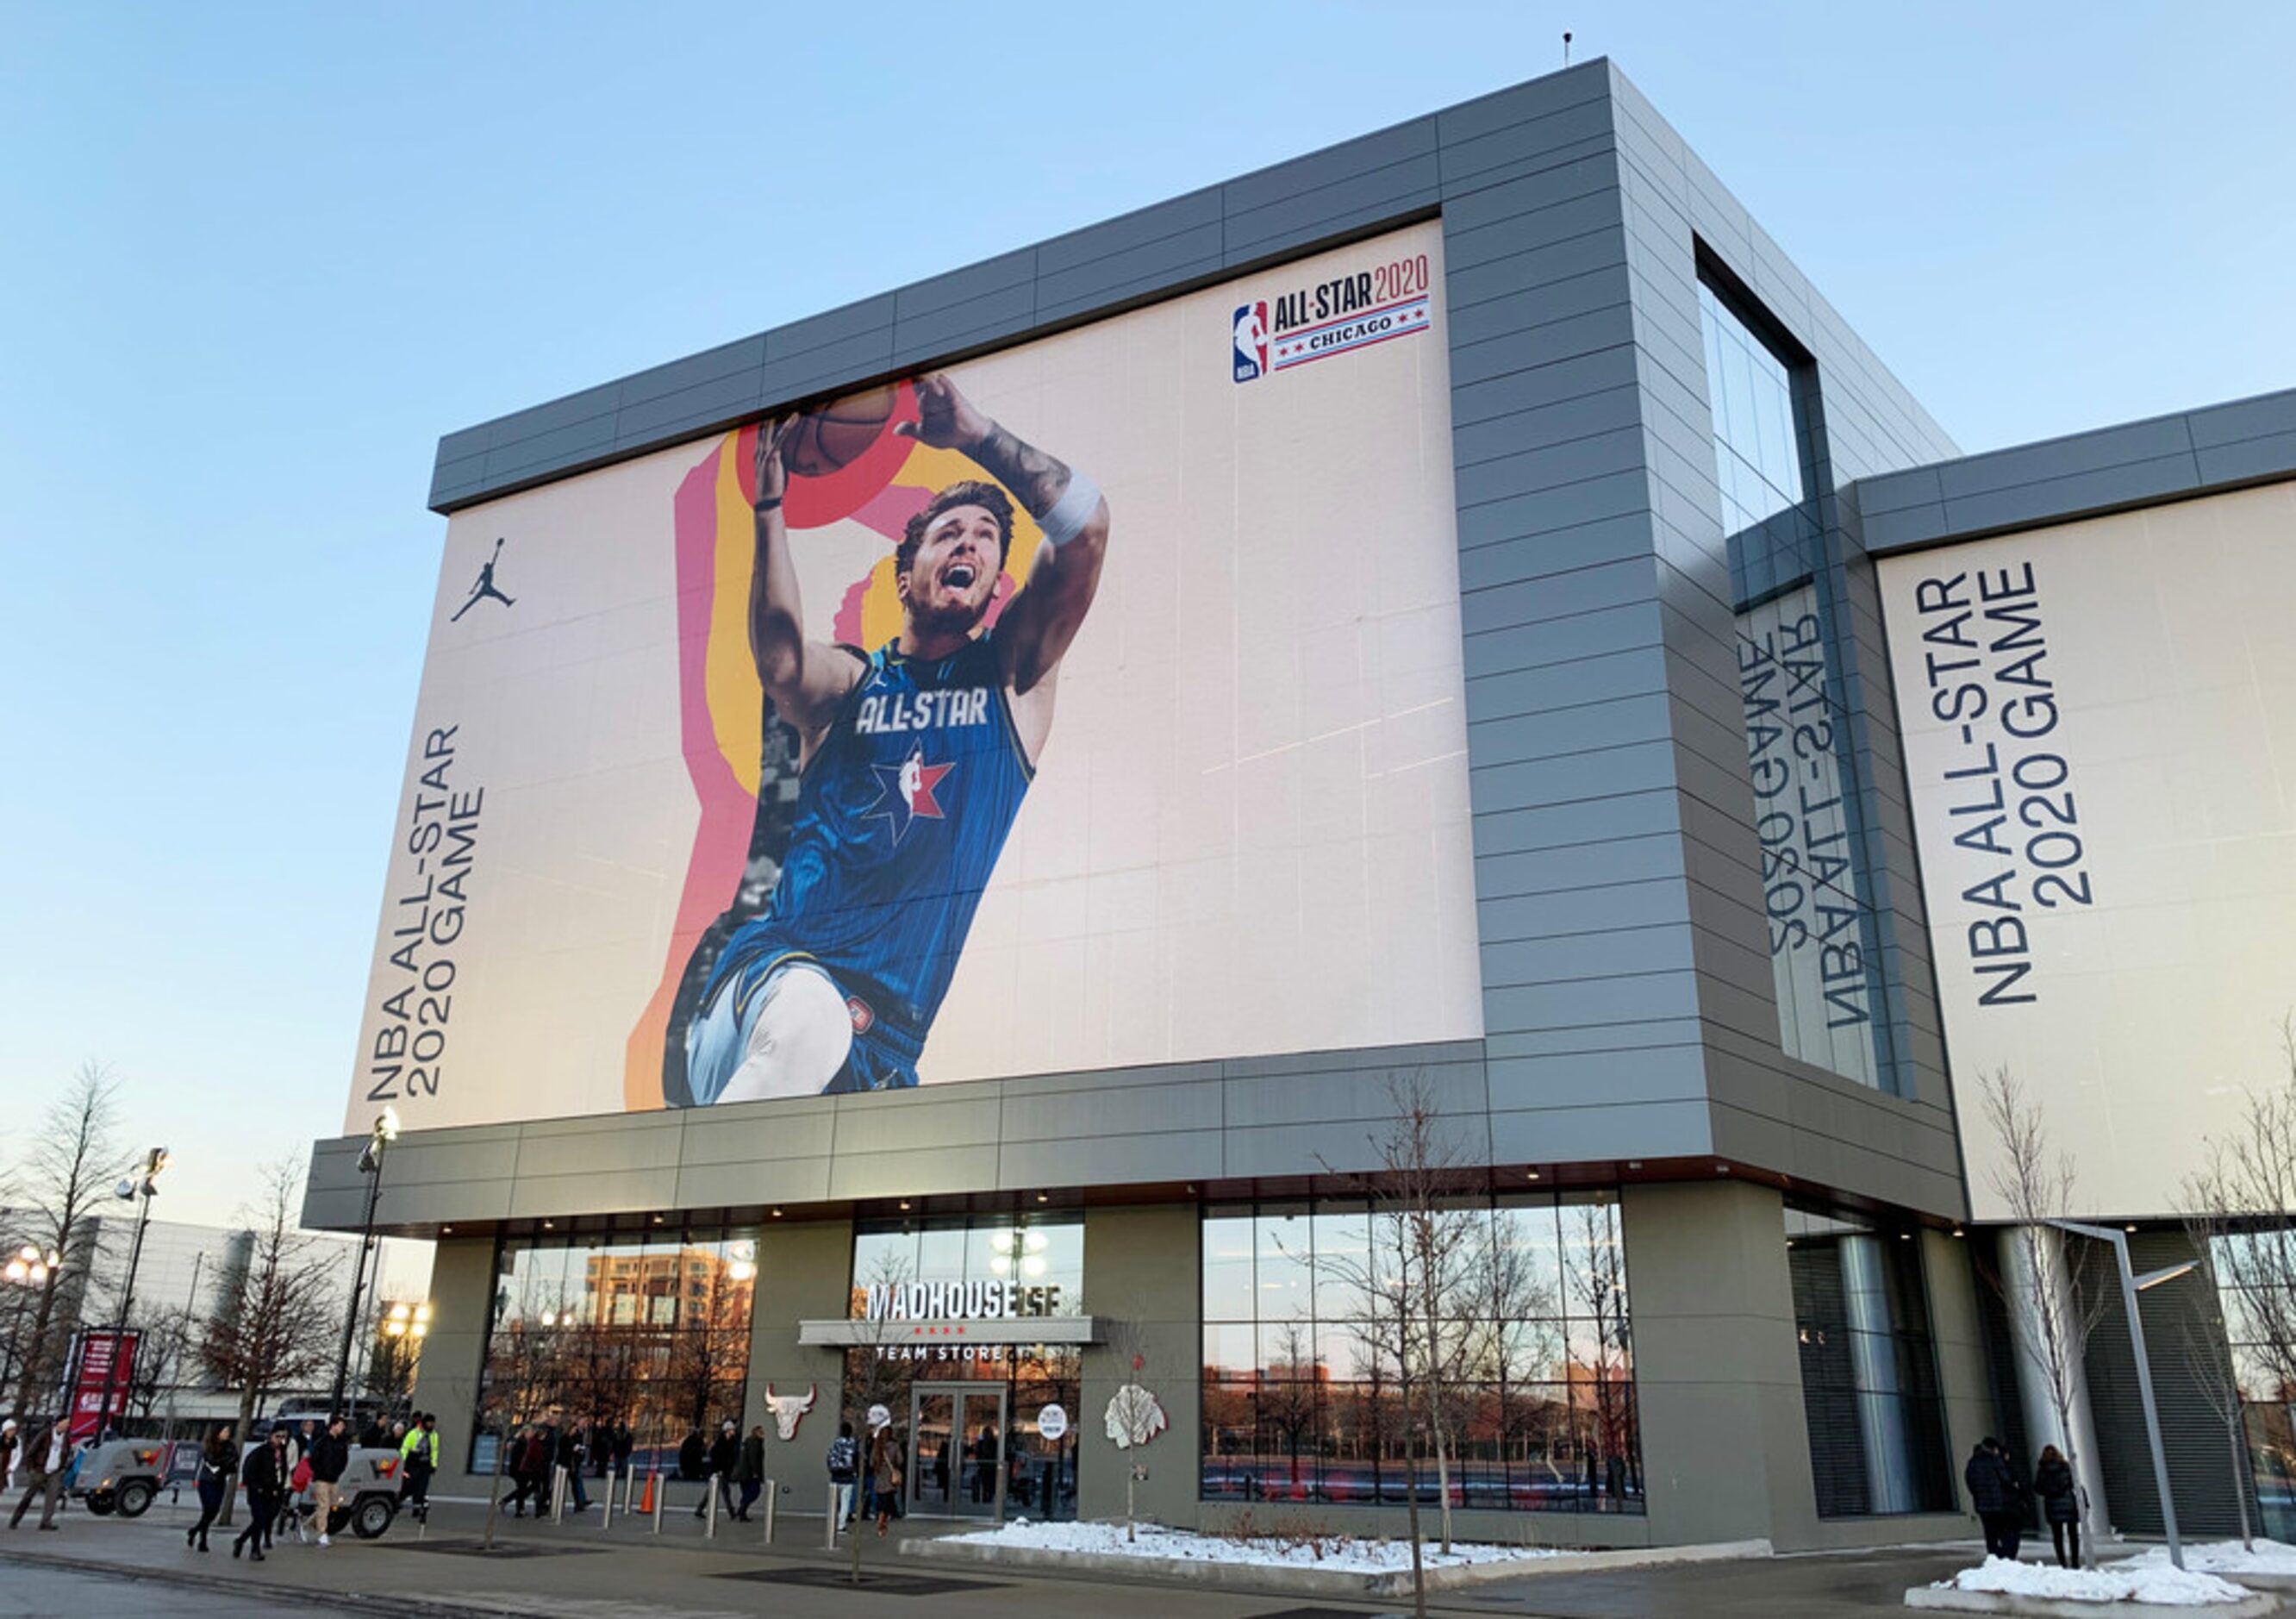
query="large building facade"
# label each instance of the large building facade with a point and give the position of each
(1457, 553)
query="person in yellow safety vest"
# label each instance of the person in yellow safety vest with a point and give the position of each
(418, 1459)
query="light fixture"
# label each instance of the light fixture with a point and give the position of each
(905, 1205)
(1531, 1174)
(423, 1314)
(657, 1220)
(777, 1213)
(2129, 1227)
(445, 1231)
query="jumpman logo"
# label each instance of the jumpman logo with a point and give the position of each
(485, 586)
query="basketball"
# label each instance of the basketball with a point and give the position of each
(833, 435)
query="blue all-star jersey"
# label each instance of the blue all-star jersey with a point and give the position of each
(902, 811)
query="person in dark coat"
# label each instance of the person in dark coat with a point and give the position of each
(46, 1455)
(218, 1460)
(264, 1476)
(573, 1442)
(725, 1460)
(625, 1442)
(518, 1463)
(693, 1456)
(1993, 1497)
(2053, 1481)
(753, 1476)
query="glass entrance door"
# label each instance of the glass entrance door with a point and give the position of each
(957, 1445)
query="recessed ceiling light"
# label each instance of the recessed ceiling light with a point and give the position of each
(777, 1213)
(905, 1205)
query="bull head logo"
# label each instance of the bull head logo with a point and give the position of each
(789, 1409)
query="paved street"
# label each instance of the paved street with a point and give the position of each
(30, 1591)
(580, 1571)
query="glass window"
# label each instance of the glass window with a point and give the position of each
(599, 1333)
(1824, 938)
(1301, 1390)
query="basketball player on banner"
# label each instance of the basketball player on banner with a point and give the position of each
(915, 758)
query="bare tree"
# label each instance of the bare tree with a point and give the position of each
(167, 1339)
(274, 1324)
(2239, 1209)
(2249, 1184)
(2058, 1299)
(58, 1187)
(2205, 1345)
(873, 1377)
(525, 1375)
(1418, 1279)
(1288, 1400)
(1594, 1271)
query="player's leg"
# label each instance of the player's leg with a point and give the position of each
(786, 1037)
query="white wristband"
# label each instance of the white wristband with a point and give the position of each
(1071, 511)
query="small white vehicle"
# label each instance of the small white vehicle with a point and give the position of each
(121, 1475)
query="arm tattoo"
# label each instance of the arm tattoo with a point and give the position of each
(1039, 480)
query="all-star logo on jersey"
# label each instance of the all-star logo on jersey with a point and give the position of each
(904, 791)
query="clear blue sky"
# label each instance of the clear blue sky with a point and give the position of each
(259, 257)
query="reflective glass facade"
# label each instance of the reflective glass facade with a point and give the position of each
(1300, 1401)
(969, 1414)
(651, 1330)
(1869, 1379)
(1824, 941)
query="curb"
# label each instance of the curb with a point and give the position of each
(1931, 1598)
(1317, 1581)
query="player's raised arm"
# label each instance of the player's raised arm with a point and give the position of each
(806, 680)
(1039, 623)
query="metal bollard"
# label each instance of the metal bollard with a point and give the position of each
(773, 1499)
(829, 1521)
(661, 1499)
(608, 1523)
(710, 1529)
(558, 1495)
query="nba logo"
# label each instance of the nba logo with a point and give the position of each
(1250, 342)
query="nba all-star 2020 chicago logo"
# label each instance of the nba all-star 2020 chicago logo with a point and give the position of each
(1378, 302)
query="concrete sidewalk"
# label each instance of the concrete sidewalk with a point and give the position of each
(580, 1569)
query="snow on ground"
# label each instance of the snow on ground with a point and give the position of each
(1345, 1554)
(2167, 1586)
(2221, 1557)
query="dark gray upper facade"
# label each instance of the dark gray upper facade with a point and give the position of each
(1628, 1004)
(2177, 456)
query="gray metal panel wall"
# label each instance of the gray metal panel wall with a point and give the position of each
(1863, 422)
(1628, 999)
(2112, 469)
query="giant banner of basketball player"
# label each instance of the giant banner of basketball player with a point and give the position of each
(1092, 704)
(2100, 726)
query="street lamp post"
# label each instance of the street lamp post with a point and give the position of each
(370, 1163)
(30, 1268)
(140, 1187)
(2131, 1285)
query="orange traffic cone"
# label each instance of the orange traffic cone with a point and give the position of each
(645, 1502)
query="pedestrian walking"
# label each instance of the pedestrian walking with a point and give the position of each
(519, 1465)
(2060, 1494)
(331, 1454)
(725, 1460)
(10, 1444)
(572, 1441)
(844, 1458)
(418, 1459)
(625, 1442)
(753, 1471)
(1993, 1497)
(45, 1458)
(887, 1470)
(263, 1476)
(218, 1460)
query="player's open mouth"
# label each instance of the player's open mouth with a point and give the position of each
(959, 577)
